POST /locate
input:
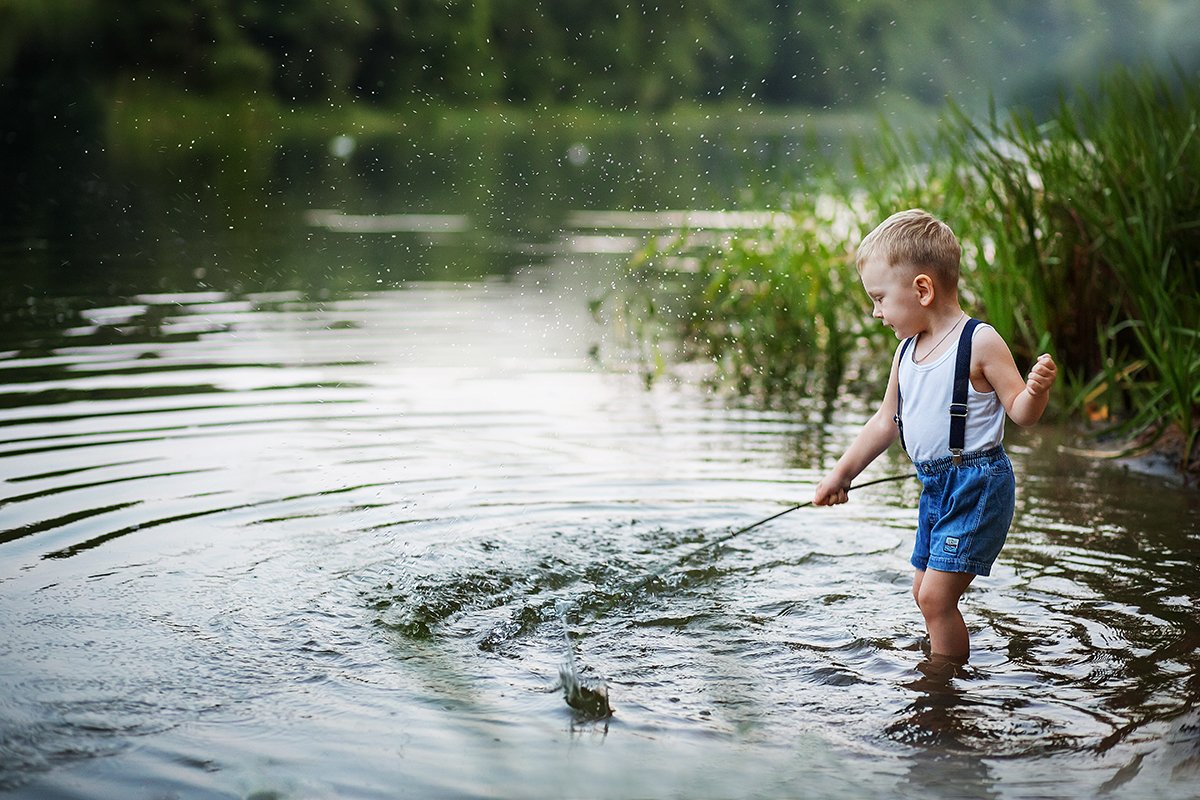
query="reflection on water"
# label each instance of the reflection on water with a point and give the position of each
(319, 540)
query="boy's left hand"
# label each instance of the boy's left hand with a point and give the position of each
(1042, 376)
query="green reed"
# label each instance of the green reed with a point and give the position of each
(1081, 236)
(1087, 241)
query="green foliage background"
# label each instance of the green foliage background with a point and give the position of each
(610, 53)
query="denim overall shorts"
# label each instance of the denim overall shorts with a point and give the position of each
(967, 499)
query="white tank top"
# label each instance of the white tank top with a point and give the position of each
(926, 391)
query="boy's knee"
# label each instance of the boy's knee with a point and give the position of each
(935, 604)
(941, 596)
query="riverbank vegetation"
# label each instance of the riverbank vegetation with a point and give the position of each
(1081, 236)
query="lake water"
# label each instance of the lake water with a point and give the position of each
(293, 505)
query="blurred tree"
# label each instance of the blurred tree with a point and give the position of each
(813, 52)
(534, 48)
(313, 44)
(734, 44)
(47, 87)
(610, 53)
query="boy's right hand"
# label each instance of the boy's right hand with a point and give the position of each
(1041, 376)
(831, 492)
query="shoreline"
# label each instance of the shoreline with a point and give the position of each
(1160, 457)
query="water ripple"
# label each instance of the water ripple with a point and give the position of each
(257, 527)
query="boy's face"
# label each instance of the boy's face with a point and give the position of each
(894, 296)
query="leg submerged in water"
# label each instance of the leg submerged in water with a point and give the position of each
(937, 594)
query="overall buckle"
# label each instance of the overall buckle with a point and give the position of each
(958, 410)
(956, 455)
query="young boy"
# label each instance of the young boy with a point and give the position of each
(909, 268)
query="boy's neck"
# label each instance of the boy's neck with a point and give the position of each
(940, 316)
(936, 335)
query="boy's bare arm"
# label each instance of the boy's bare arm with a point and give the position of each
(1031, 403)
(1024, 399)
(875, 437)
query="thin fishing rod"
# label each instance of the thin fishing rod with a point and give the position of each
(771, 518)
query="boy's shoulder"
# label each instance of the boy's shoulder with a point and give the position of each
(987, 343)
(992, 364)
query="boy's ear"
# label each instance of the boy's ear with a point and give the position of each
(925, 288)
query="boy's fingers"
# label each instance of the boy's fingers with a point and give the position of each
(1044, 369)
(830, 499)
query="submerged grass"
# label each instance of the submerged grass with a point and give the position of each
(1081, 236)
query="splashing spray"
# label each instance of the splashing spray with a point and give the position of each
(588, 698)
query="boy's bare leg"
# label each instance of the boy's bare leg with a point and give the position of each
(937, 594)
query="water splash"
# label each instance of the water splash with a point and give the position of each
(589, 698)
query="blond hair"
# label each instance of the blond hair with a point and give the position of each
(915, 239)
